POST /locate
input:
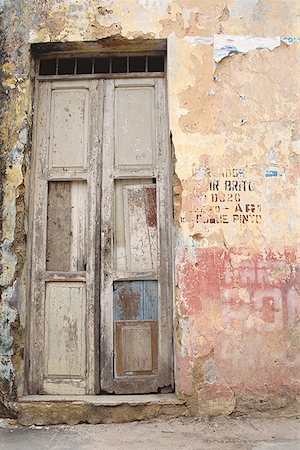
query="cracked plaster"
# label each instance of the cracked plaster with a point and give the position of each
(242, 119)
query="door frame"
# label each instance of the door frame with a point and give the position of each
(32, 367)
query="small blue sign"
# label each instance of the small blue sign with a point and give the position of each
(271, 173)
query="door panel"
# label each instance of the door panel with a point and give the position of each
(69, 127)
(65, 339)
(136, 348)
(134, 125)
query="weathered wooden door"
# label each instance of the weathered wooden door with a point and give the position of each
(101, 239)
(136, 321)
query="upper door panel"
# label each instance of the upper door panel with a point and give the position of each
(134, 125)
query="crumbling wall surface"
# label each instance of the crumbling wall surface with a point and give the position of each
(234, 116)
(15, 120)
(238, 302)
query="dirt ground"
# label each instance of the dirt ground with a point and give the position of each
(221, 433)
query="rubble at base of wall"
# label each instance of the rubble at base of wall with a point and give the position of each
(8, 410)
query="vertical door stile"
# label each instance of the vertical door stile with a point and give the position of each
(37, 309)
(106, 319)
(93, 241)
(164, 213)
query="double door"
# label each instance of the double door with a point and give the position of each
(101, 299)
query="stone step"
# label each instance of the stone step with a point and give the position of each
(93, 409)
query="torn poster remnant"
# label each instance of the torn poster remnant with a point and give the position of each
(228, 45)
(289, 40)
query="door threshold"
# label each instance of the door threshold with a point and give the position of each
(109, 400)
(95, 409)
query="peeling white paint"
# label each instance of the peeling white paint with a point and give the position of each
(201, 173)
(161, 5)
(241, 8)
(8, 262)
(2, 4)
(228, 45)
(105, 3)
(23, 136)
(186, 15)
(16, 156)
(7, 316)
(199, 40)
(296, 147)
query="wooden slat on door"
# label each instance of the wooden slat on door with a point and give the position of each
(140, 220)
(66, 226)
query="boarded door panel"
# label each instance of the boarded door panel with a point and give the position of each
(140, 227)
(69, 128)
(150, 294)
(58, 226)
(65, 338)
(135, 300)
(66, 226)
(135, 319)
(120, 259)
(136, 348)
(134, 126)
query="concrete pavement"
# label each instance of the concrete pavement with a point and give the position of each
(221, 433)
